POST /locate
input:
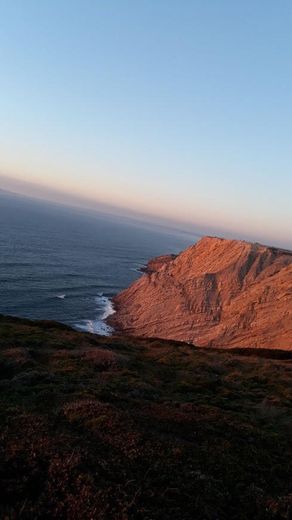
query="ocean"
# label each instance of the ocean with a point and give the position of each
(66, 264)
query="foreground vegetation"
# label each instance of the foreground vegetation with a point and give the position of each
(123, 428)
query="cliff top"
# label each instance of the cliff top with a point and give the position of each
(119, 427)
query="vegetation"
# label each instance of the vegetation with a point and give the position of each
(124, 428)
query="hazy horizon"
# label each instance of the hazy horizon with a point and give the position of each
(177, 113)
(14, 187)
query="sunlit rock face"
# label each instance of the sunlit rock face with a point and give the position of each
(218, 292)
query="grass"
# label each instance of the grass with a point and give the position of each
(125, 428)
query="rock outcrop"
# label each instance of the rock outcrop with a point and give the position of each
(215, 293)
(156, 263)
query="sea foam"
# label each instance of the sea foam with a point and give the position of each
(98, 326)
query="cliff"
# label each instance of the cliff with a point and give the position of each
(217, 292)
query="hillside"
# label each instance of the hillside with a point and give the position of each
(121, 428)
(216, 293)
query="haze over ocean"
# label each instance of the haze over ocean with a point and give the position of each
(65, 264)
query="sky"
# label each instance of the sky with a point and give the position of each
(179, 110)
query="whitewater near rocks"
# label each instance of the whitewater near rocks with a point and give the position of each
(217, 292)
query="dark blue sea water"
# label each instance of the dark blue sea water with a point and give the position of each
(65, 264)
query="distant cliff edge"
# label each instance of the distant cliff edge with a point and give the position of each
(217, 292)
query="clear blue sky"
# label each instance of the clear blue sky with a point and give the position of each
(176, 108)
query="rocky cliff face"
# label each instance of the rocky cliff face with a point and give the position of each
(218, 292)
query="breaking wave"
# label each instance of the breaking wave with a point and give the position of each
(98, 326)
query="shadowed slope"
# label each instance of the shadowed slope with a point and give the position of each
(124, 428)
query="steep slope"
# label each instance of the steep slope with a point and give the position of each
(217, 292)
